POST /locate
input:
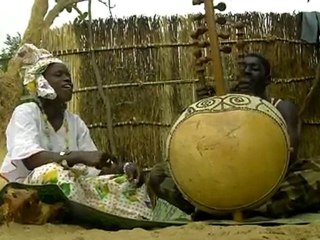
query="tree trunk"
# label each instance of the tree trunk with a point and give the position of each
(36, 22)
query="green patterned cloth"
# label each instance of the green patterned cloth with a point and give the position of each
(165, 212)
(111, 194)
(108, 193)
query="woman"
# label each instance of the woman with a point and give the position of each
(49, 145)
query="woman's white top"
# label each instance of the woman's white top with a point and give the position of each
(26, 135)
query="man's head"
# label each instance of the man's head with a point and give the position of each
(256, 70)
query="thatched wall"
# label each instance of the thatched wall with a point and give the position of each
(148, 70)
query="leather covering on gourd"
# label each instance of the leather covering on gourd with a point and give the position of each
(229, 152)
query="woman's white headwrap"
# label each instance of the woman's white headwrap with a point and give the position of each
(35, 62)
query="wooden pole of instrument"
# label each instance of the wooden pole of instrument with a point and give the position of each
(238, 215)
(214, 50)
(216, 64)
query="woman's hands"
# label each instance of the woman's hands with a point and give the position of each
(97, 159)
(110, 165)
(133, 173)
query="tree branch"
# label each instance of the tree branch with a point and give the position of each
(57, 9)
(104, 95)
(108, 5)
(78, 10)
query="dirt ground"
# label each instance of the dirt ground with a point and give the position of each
(189, 232)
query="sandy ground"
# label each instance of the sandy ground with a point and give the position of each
(189, 232)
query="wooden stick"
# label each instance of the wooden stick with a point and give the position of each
(263, 39)
(216, 64)
(238, 216)
(104, 95)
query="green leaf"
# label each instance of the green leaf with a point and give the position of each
(84, 15)
(12, 44)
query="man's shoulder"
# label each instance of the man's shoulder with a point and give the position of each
(287, 104)
(288, 109)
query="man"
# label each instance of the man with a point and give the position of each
(256, 78)
(298, 193)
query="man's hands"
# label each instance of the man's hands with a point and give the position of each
(244, 86)
(204, 92)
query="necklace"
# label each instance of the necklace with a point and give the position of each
(47, 128)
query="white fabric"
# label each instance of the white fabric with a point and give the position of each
(35, 63)
(34, 74)
(26, 136)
